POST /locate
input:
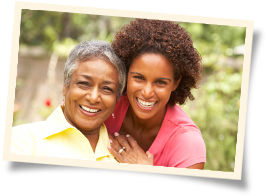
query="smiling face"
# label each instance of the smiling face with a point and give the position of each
(149, 85)
(91, 95)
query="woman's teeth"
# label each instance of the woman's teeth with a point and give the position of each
(146, 104)
(89, 109)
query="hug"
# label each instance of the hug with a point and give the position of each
(120, 101)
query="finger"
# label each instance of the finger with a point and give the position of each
(133, 143)
(122, 141)
(116, 150)
(149, 155)
(110, 136)
(115, 144)
(115, 153)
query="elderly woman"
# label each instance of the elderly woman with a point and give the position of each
(163, 67)
(94, 78)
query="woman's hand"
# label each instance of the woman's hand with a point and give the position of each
(131, 153)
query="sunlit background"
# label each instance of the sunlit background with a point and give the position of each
(46, 39)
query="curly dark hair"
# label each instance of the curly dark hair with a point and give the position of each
(168, 38)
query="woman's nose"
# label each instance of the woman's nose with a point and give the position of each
(147, 90)
(93, 96)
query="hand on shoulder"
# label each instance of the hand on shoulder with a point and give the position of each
(126, 150)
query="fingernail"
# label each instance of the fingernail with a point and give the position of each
(116, 134)
(127, 135)
(110, 141)
(109, 146)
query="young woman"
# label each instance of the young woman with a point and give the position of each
(163, 67)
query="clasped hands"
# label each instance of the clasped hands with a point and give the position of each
(126, 150)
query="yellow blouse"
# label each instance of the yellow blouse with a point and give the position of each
(55, 137)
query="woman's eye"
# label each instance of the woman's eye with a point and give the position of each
(139, 77)
(83, 83)
(161, 82)
(108, 89)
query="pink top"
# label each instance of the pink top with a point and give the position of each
(179, 142)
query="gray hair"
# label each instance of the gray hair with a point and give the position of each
(91, 50)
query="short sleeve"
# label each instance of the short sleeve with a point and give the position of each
(22, 141)
(186, 148)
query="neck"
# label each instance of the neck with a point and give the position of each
(147, 124)
(91, 135)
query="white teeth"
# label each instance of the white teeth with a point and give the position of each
(146, 104)
(89, 109)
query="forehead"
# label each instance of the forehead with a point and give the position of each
(152, 65)
(97, 68)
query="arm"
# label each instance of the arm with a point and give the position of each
(197, 166)
(187, 149)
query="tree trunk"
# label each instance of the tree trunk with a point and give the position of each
(65, 25)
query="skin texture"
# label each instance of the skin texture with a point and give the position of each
(94, 84)
(150, 79)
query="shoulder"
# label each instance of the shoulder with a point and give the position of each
(186, 145)
(176, 122)
(29, 128)
(177, 125)
(187, 131)
(178, 117)
(24, 137)
(187, 135)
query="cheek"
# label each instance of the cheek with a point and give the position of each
(67, 97)
(163, 93)
(110, 103)
(75, 94)
(133, 86)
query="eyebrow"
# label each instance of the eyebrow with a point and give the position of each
(157, 78)
(91, 78)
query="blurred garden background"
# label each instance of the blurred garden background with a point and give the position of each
(47, 37)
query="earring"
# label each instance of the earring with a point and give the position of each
(63, 102)
(113, 115)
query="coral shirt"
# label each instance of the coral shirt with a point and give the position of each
(179, 142)
(55, 137)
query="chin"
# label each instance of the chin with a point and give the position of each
(87, 126)
(144, 116)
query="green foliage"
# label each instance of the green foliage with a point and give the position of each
(64, 47)
(48, 28)
(215, 42)
(40, 28)
(216, 111)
